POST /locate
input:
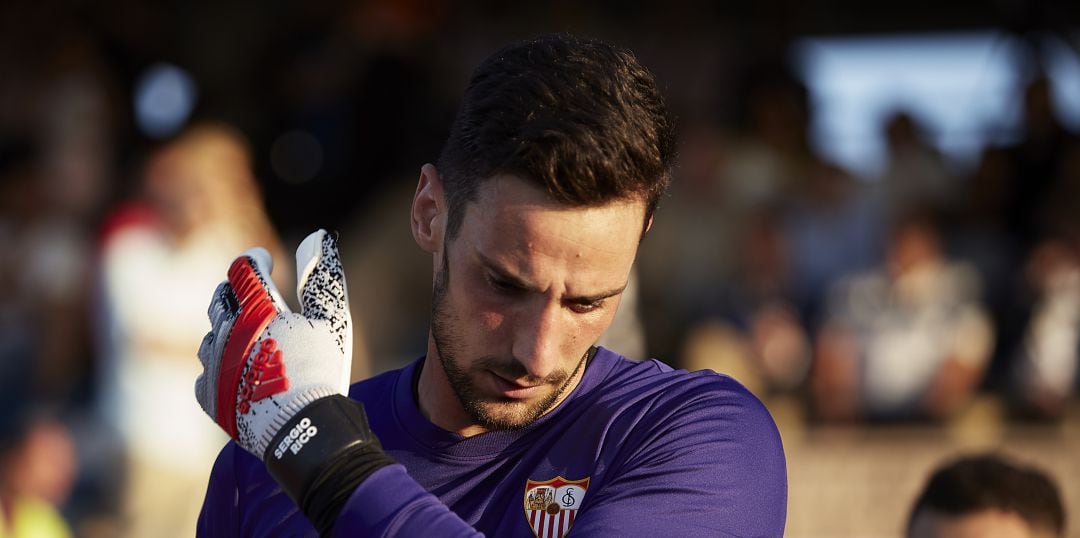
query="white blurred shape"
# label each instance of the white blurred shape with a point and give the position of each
(965, 87)
(164, 98)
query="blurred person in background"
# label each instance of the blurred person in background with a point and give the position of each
(987, 496)
(834, 228)
(57, 113)
(1022, 198)
(1046, 362)
(37, 471)
(688, 252)
(160, 255)
(1042, 308)
(980, 236)
(728, 178)
(753, 330)
(908, 340)
(38, 465)
(1038, 165)
(830, 223)
(916, 175)
(43, 331)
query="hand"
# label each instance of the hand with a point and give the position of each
(262, 363)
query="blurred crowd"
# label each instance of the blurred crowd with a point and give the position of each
(896, 298)
(862, 300)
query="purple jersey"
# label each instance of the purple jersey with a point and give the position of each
(636, 448)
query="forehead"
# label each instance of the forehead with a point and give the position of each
(988, 523)
(516, 222)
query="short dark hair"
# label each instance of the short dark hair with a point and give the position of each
(991, 481)
(577, 117)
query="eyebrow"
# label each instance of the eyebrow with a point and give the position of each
(504, 275)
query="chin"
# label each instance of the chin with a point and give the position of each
(499, 414)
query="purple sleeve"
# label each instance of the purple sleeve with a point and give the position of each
(219, 510)
(713, 467)
(391, 503)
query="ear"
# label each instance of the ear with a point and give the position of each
(428, 216)
(648, 225)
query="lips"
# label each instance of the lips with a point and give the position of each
(514, 390)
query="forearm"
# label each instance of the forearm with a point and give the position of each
(327, 459)
(392, 503)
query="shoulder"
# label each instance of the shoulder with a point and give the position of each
(659, 385)
(651, 404)
(378, 389)
(707, 444)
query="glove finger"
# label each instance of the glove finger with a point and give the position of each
(206, 349)
(247, 279)
(223, 305)
(204, 393)
(223, 309)
(259, 304)
(321, 285)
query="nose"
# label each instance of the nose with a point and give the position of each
(536, 339)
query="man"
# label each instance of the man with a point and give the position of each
(987, 496)
(907, 340)
(513, 424)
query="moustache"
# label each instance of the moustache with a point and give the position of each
(513, 369)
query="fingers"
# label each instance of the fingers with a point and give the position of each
(250, 272)
(258, 303)
(222, 312)
(206, 348)
(321, 284)
(322, 291)
(223, 305)
(204, 393)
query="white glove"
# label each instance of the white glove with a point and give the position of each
(263, 363)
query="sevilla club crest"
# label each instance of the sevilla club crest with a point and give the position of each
(552, 505)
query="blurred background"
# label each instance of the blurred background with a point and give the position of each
(874, 224)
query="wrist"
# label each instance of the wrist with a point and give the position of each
(281, 418)
(317, 438)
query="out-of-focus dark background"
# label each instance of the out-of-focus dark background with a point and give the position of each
(874, 224)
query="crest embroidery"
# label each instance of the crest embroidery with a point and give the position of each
(552, 505)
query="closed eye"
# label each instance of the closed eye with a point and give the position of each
(507, 285)
(504, 286)
(584, 307)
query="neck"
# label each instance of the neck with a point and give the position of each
(437, 400)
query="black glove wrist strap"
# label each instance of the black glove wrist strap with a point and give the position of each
(322, 454)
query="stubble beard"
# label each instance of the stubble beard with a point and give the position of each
(491, 413)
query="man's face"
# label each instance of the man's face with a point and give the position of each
(522, 292)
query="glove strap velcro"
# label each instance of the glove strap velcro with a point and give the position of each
(327, 441)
